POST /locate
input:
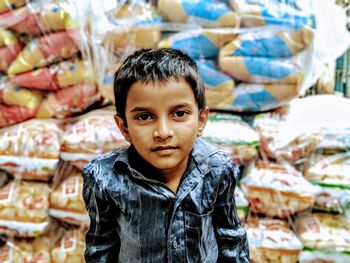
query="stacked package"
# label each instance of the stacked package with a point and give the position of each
(45, 54)
(311, 138)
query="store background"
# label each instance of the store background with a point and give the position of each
(277, 80)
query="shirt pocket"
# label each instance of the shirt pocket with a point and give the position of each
(200, 238)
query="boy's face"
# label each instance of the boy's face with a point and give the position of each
(163, 122)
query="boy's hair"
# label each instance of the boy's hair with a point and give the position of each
(157, 65)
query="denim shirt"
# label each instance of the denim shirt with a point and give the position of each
(136, 218)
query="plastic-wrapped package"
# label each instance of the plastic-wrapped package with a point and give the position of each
(66, 201)
(332, 199)
(271, 240)
(332, 170)
(9, 48)
(129, 26)
(198, 43)
(218, 86)
(207, 13)
(30, 250)
(324, 231)
(320, 257)
(14, 95)
(10, 115)
(70, 248)
(267, 43)
(230, 134)
(277, 190)
(241, 203)
(30, 150)
(57, 76)
(91, 135)
(65, 102)
(277, 13)
(6, 5)
(44, 50)
(253, 97)
(38, 18)
(24, 209)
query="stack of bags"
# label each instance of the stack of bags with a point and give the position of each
(45, 67)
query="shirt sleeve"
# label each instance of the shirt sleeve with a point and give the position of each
(231, 236)
(102, 240)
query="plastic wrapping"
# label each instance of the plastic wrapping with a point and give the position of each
(70, 248)
(271, 240)
(324, 231)
(66, 201)
(232, 135)
(277, 190)
(241, 204)
(30, 150)
(24, 209)
(9, 48)
(92, 134)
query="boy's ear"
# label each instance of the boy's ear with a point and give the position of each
(203, 118)
(122, 127)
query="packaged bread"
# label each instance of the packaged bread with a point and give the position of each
(93, 134)
(132, 25)
(261, 69)
(252, 97)
(260, 13)
(6, 5)
(57, 76)
(324, 231)
(32, 250)
(290, 132)
(70, 248)
(218, 86)
(30, 150)
(211, 13)
(45, 50)
(271, 240)
(230, 134)
(317, 256)
(332, 170)
(277, 190)
(199, 43)
(66, 201)
(43, 17)
(10, 115)
(65, 102)
(24, 209)
(11, 94)
(332, 199)
(267, 43)
(9, 48)
(241, 203)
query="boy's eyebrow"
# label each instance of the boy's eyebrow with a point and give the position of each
(179, 106)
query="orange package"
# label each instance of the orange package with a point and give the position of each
(62, 75)
(47, 49)
(42, 18)
(10, 115)
(66, 102)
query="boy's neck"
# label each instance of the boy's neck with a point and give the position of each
(171, 178)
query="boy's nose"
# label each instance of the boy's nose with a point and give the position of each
(163, 129)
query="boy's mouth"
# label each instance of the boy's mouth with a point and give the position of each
(163, 148)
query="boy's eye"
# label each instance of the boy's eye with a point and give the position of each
(180, 114)
(144, 117)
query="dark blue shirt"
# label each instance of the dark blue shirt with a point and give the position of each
(136, 218)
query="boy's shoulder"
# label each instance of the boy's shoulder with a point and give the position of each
(212, 156)
(101, 166)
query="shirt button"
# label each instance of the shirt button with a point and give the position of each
(174, 244)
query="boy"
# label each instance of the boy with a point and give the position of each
(169, 197)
